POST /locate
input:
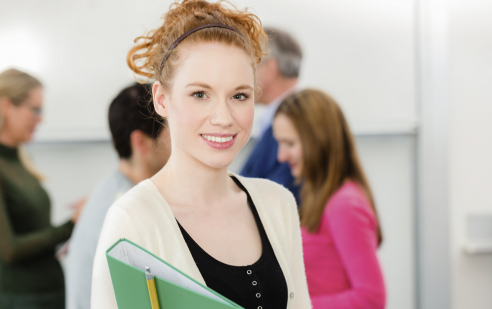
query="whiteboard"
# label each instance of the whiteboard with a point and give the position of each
(360, 52)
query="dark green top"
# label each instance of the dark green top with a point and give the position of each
(27, 238)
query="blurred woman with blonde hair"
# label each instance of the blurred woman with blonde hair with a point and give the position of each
(30, 275)
(340, 228)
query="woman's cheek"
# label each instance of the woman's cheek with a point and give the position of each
(181, 119)
(247, 117)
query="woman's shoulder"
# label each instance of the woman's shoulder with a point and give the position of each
(349, 199)
(139, 215)
(271, 199)
(139, 198)
(265, 187)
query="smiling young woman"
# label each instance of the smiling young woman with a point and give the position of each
(239, 236)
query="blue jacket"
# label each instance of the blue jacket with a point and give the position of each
(262, 163)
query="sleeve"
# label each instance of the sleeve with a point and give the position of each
(16, 248)
(117, 225)
(353, 229)
(301, 296)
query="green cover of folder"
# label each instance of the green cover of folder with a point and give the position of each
(175, 290)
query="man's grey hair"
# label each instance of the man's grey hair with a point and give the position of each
(285, 50)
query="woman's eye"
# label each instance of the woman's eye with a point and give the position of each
(240, 96)
(199, 95)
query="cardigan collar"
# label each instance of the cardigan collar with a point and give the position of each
(267, 224)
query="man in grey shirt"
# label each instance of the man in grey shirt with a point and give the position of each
(143, 145)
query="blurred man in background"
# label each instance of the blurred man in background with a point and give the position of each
(278, 76)
(143, 146)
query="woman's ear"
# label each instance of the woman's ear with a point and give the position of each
(161, 99)
(5, 106)
(140, 142)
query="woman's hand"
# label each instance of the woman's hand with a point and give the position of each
(77, 207)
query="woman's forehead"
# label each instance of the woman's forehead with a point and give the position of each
(209, 61)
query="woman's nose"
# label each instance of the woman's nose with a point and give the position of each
(222, 115)
(282, 155)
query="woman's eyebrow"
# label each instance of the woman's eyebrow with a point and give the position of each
(209, 87)
(199, 85)
(244, 87)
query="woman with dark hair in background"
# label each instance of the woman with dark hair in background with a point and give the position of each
(340, 227)
(30, 275)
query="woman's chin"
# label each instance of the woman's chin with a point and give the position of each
(26, 138)
(295, 173)
(219, 163)
(219, 166)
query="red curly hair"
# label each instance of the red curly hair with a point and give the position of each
(145, 58)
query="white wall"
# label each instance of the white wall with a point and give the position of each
(433, 226)
(470, 148)
(456, 113)
(389, 162)
(72, 170)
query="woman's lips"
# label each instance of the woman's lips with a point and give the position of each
(219, 141)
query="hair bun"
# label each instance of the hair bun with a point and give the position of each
(146, 56)
(200, 14)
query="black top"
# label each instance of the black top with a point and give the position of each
(261, 285)
(27, 238)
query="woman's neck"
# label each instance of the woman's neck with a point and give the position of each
(7, 140)
(133, 171)
(186, 181)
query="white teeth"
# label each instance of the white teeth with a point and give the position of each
(217, 139)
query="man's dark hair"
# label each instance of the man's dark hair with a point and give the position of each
(132, 110)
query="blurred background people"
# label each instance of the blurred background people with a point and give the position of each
(340, 228)
(277, 76)
(30, 275)
(143, 145)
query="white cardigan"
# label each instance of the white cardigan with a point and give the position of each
(143, 216)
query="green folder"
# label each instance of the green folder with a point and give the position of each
(175, 290)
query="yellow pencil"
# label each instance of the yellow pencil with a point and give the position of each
(154, 301)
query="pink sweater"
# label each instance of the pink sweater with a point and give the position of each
(342, 266)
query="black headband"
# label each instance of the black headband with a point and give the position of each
(187, 33)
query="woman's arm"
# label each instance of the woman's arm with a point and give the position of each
(16, 248)
(301, 296)
(352, 226)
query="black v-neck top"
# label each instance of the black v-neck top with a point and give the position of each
(261, 285)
